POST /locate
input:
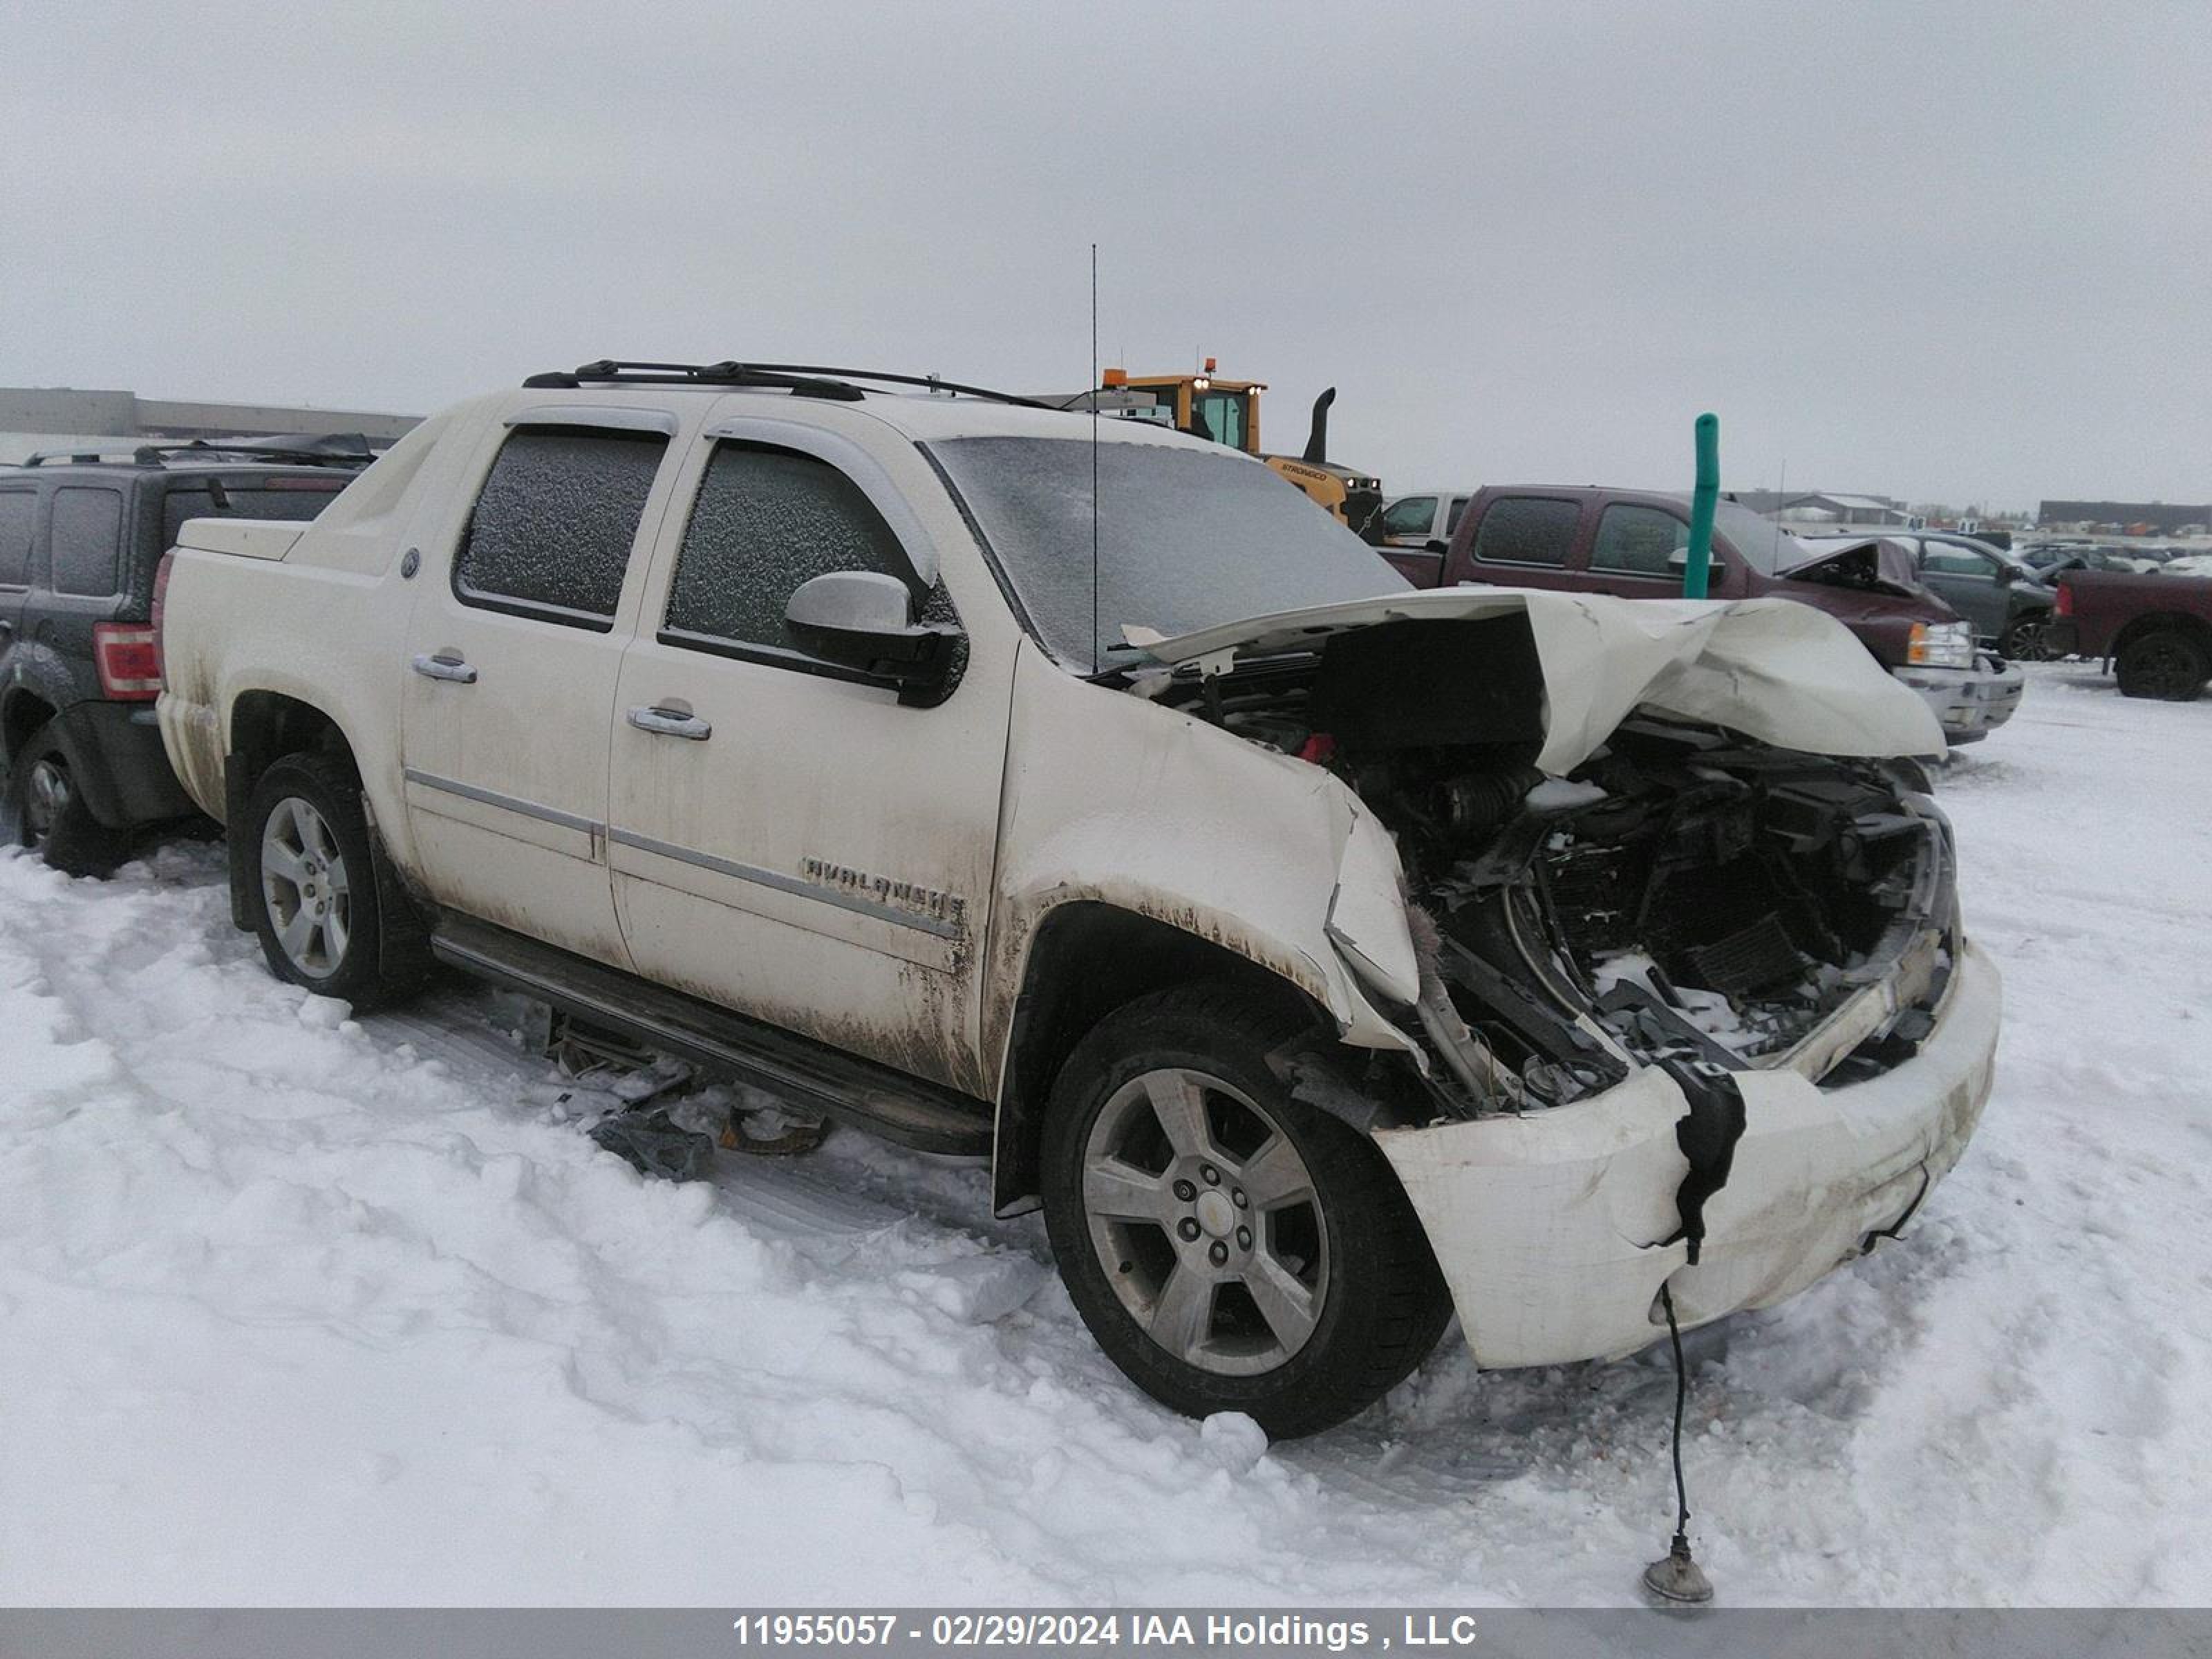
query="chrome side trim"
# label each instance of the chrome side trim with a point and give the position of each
(751, 872)
(783, 884)
(529, 808)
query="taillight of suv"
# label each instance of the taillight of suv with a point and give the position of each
(160, 603)
(124, 653)
(2065, 606)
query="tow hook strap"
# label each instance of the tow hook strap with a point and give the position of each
(1707, 1135)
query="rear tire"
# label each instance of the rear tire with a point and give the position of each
(316, 907)
(1231, 1248)
(2166, 663)
(50, 815)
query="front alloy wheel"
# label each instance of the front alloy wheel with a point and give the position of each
(1232, 1246)
(1203, 1216)
(2024, 640)
(307, 888)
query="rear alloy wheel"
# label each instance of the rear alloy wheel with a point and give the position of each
(2025, 640)
(306, 887)
(51, 816)
(1231, 1247)
(312, 876)
(2166, 663)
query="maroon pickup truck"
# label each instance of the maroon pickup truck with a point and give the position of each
(2155, 631)
(1633, 542)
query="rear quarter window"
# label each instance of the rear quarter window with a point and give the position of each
(19, 520)
(551, 532)
(88, 534)
(1527, 530)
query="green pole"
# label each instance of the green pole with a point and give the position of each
(1702, 501)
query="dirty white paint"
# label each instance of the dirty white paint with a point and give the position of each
(1550, 1227)
(527, 798)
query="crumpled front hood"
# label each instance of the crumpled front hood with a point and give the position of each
(1773, 669)
(1874, 559)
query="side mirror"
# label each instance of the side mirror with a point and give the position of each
(864, 620)
(2007, 575)
(1679, 561)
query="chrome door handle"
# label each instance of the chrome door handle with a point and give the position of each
(446, 668)
(667, 723)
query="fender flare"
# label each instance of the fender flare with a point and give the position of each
(1075, 956)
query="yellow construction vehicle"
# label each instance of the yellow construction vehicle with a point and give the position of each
(1228, 412)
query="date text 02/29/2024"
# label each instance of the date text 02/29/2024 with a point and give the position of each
(1169, 1631)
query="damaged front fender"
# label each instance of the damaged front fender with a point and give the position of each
(1367, 915)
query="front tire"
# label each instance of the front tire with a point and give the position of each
(49, 814)
(316, 908)
(1231, 1248)
(2166, 663)
(2026, 639)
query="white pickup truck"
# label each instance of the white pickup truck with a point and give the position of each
(917, 758)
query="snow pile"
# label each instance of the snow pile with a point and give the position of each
(295, 1307)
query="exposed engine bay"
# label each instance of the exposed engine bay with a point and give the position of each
(1686, 898)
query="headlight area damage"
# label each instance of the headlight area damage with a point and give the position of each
(1680, 948)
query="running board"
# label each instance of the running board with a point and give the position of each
(883, 1101)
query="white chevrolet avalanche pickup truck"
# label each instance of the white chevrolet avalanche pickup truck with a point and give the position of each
(1322, 956)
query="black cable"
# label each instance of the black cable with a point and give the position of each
(1676, 1577)
(1681, 1393)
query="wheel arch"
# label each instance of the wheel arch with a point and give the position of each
(2155, 621)
(1086, 958)
(22, 711)
(264, 726)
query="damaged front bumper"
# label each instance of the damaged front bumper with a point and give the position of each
(1969, 703)
(1549, 1226)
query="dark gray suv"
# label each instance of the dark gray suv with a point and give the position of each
(81, 536)
(2000, 594)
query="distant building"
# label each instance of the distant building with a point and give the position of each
(2124, 518)
(60, 417)
(1824, 507)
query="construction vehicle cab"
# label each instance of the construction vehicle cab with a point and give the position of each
(1228, 412)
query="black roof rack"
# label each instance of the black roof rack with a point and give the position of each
(802, 379)
(348, 449)
(612, 370)
(930, 382)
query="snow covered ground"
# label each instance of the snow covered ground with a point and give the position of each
(299, 1308)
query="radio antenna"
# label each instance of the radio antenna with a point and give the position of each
(1096, 653)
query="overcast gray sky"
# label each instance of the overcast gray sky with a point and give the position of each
(1951, 251)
